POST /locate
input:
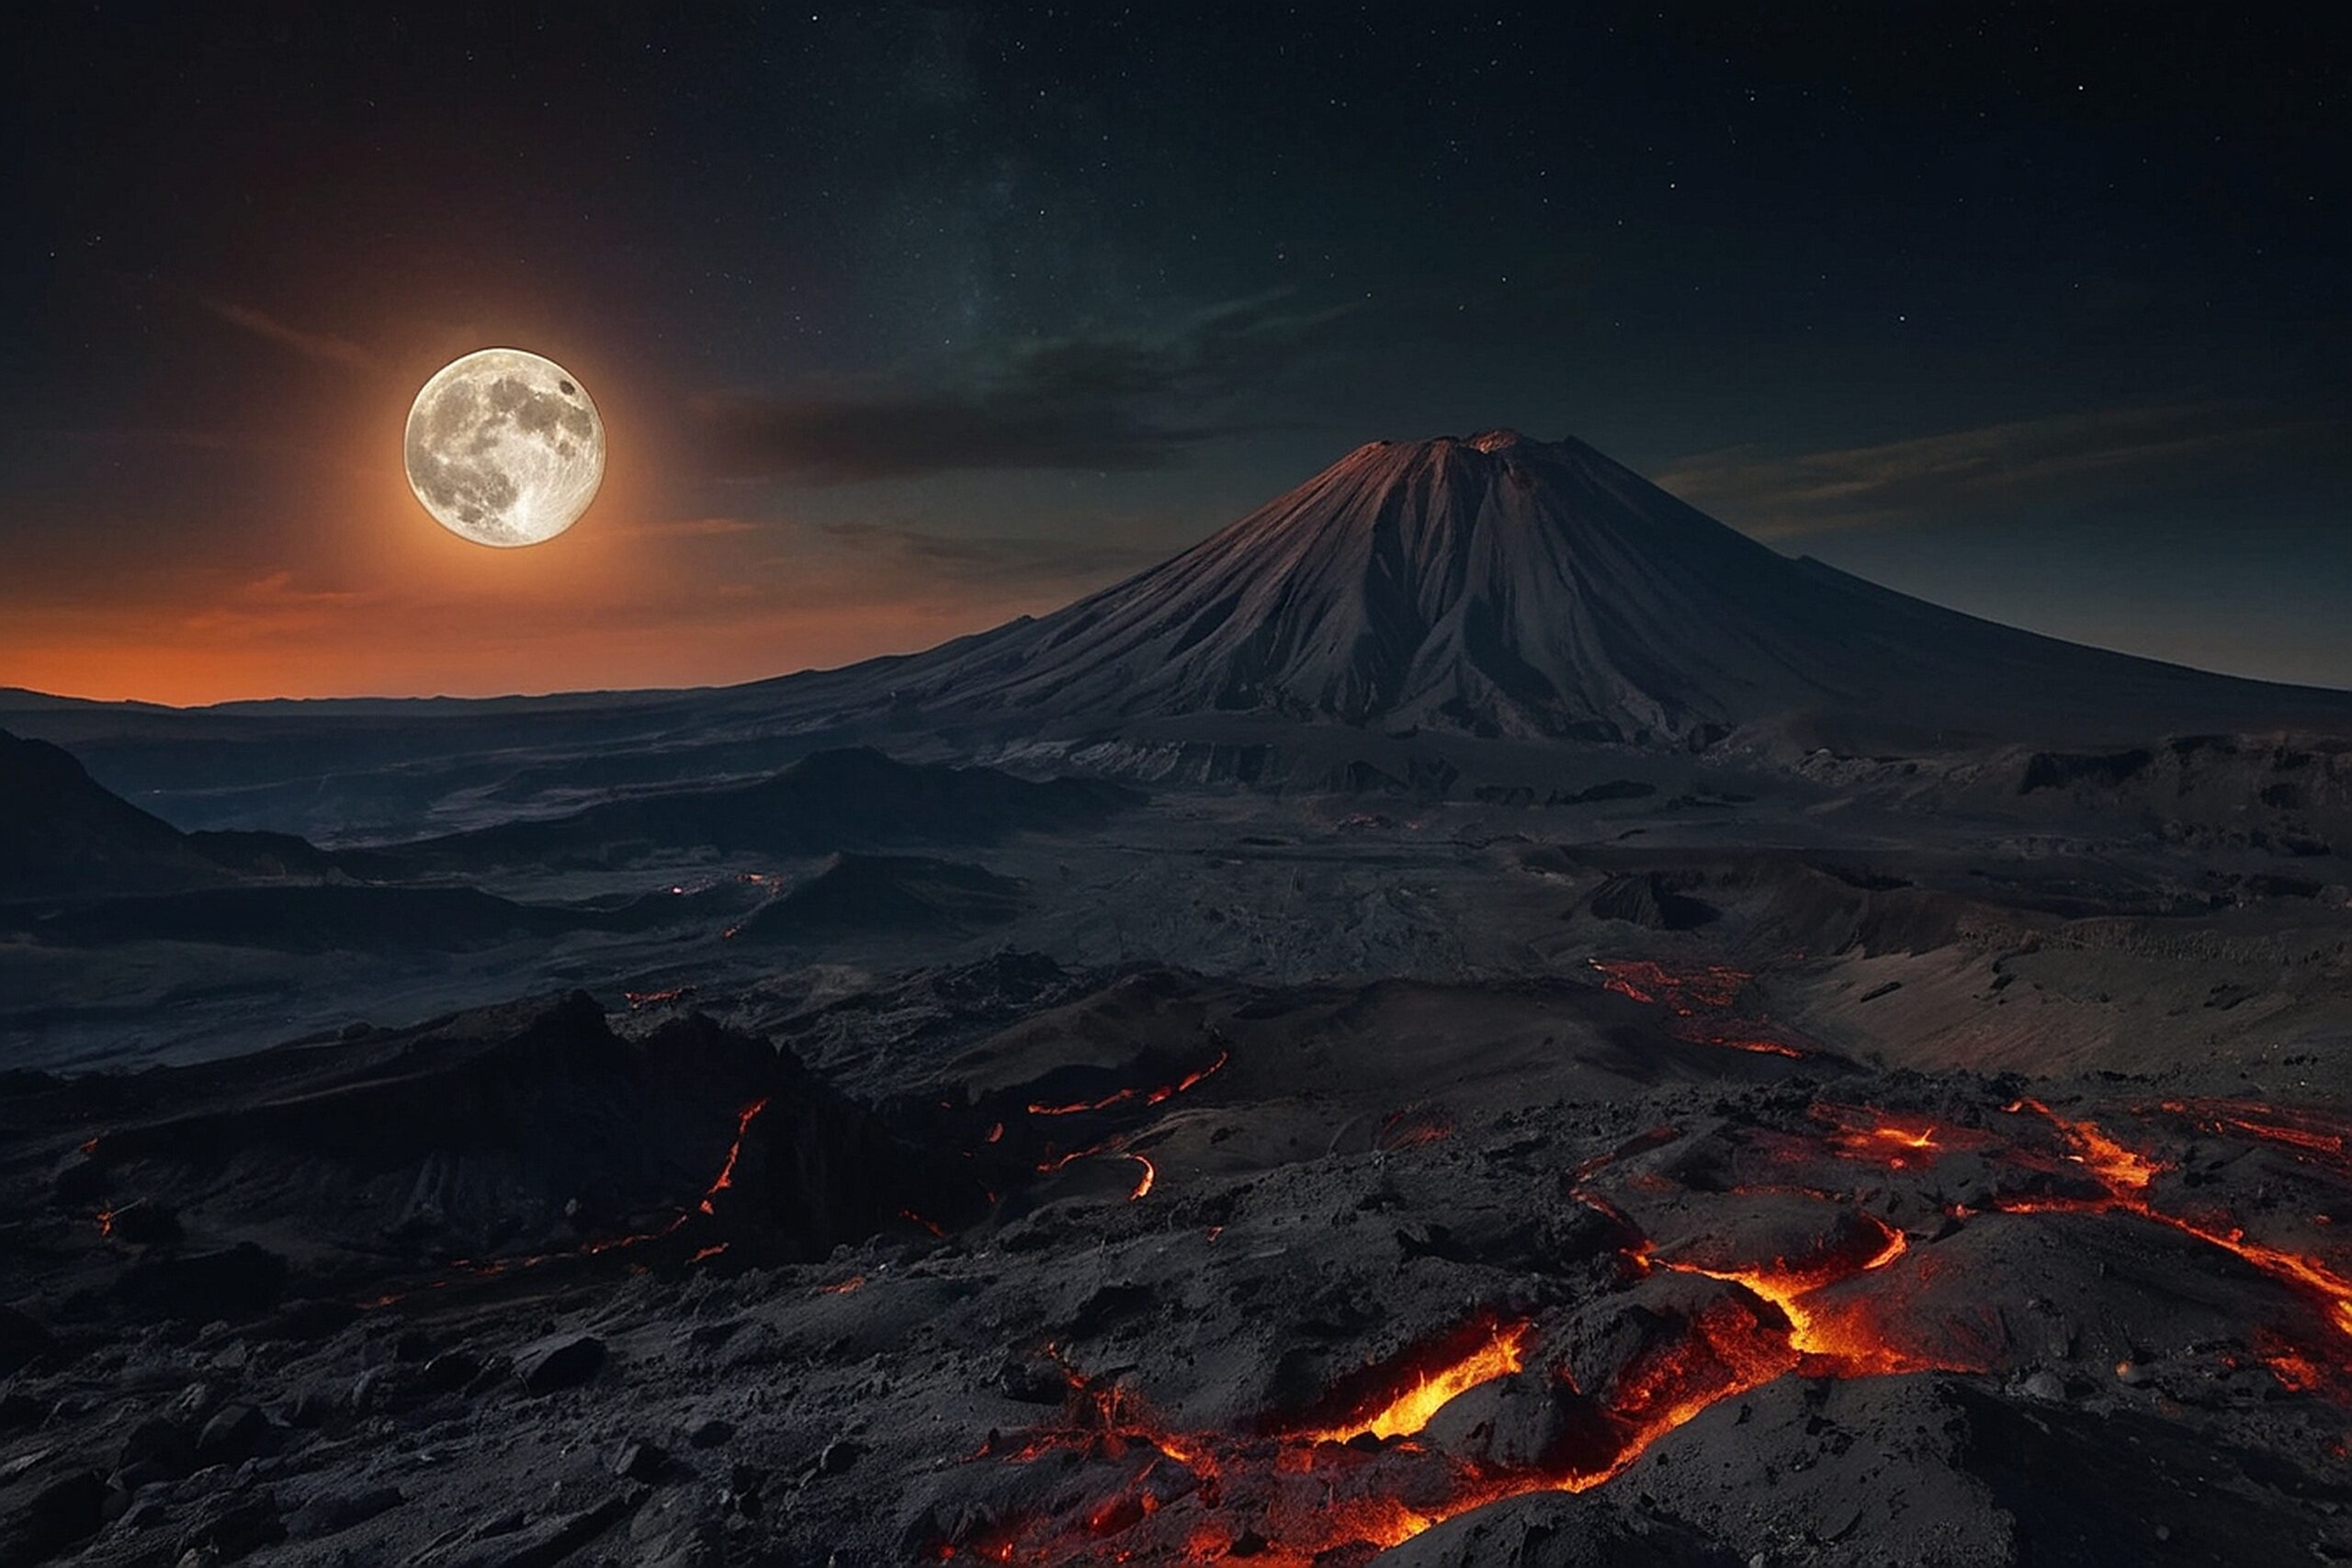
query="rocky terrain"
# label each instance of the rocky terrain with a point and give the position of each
(1471, 1019)
(1143, 1267)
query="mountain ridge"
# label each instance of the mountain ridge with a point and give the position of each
(1500, 586)
(1419, 613)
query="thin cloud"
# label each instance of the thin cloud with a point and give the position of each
(692, 527)
(1932, 478)
(274, 605)
(325, 347)
(1098, 402)
(999, 560)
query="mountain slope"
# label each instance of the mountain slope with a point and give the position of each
(1503, 586)
(865, 894)
(64, 832)
(851, 799)
(1381, 625)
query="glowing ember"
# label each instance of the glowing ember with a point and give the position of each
(2118, 1167)
(486, 1268)
(1891, 1139)
(1754, 1047)
(1149, 1174)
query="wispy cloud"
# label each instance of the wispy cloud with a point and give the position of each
(1103, 401)
(274, 605)
(325, 347)
(692, 527)
(1938, 477)
(1000, 561)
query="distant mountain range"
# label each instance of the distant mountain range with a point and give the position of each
(1411, 602)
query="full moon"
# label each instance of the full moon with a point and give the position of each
(504, 447)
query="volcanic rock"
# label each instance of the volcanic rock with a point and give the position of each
(558, 1361)
(828, 802)
(854, 895)
(236, 1432)
(21, 1339)
(42, 1516)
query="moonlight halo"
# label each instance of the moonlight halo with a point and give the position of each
(504, 447)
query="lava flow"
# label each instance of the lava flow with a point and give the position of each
(1681, 991)
(726, 1177)
(1355, 1479)
(491, 1267)
(1690, 994)
(2308, 1135)
(2127, 1174)
(1156, 1095)
(1494, 1349)
(1898, 1141)
(1359, 1472)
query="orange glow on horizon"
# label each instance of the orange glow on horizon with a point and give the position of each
(347, 588)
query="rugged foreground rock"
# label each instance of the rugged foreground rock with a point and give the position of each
(1141, 1274)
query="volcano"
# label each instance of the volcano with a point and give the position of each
(1507, 587)
(1437, 617)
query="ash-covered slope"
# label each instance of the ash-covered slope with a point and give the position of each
(62, 832)
(1498, 585)
(854, 797)
(877, 896)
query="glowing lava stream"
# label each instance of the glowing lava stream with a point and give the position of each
(2127, 1174)
(1352, 1481)
(1685, 994)
(1158, 1096)
(743, 1120)
(1815, 1330)
(491, 1267)
(1498, 1355)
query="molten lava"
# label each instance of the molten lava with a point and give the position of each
(1357, 1474)
(491, 1267)
(1684, 991)
(1497, 1350)
(1157, 1095)
(2309, 1135)
(1414, 1127)
(1688, 993)
(1843, 1331)
(1893, 1139)
(726, 1177)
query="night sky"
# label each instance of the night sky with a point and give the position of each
(906, 318)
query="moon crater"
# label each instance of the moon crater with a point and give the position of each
(504, 447)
